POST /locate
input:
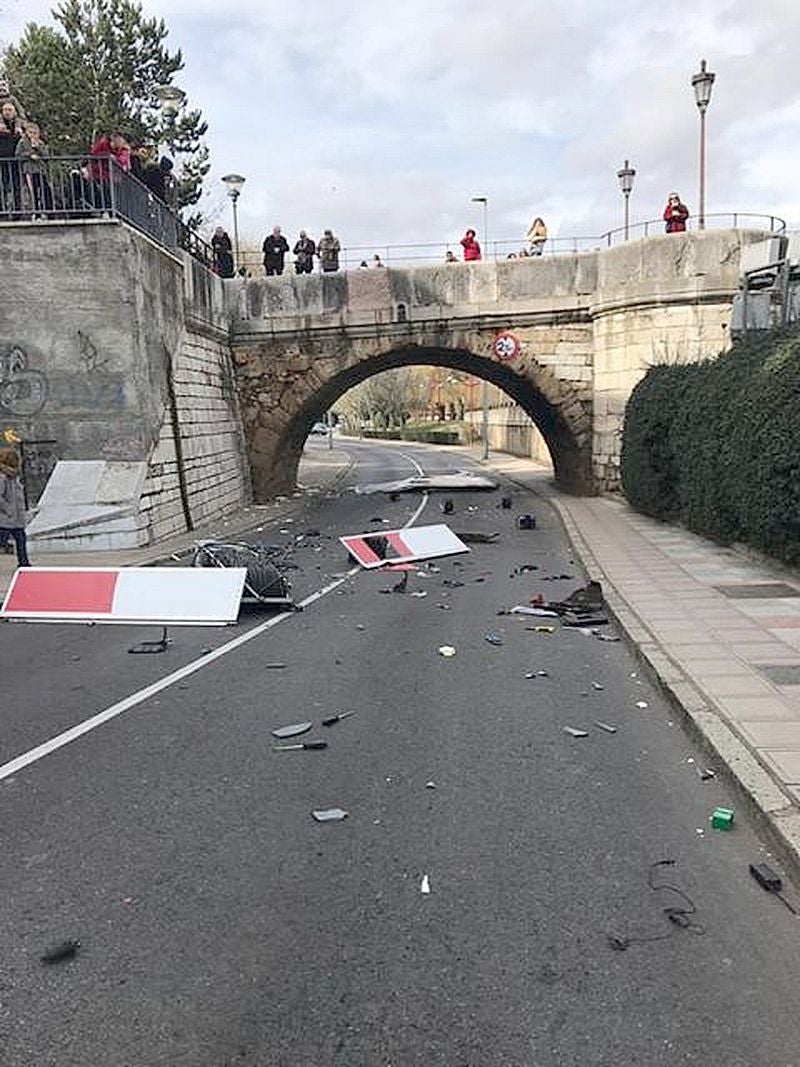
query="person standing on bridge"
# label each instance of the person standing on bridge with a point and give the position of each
(274, 248)
(675, 214)
(12, 505)
(304, 251)
(328, 249)
(472, 250)
(223, 253)
(537, 236)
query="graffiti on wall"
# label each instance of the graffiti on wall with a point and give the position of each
(23, 392)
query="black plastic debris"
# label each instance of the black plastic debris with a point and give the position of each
(506, 503)
(274, 666)
(452, 583)
(494, 638)
(771, 881)
(60, 953)
(679, 913)
(293, 730)
(447, 506)
(475, 537)
(152, 648)
(526, 522)
(333, 719)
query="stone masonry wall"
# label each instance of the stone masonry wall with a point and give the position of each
(212, 442)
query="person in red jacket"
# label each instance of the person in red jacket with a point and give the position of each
(115, 146)
(472, 250)
(675, 214)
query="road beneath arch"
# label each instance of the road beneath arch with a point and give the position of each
(220, 925)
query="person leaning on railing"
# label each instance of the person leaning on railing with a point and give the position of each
(33, 156)
(10, 183)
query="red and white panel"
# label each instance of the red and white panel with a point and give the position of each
(201, 595)
(380, 547)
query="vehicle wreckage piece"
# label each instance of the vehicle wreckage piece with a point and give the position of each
(264, 583)
(452, 482)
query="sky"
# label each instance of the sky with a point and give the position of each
(382, 121)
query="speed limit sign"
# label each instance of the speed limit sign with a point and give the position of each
(506, 347)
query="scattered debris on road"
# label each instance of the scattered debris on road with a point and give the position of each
(523, 609)
(331, 720)
(447, 651)
(771, 881)
(152, 647)
(453, 482)
(329, 814)
(642, 704)
(493, 638)
(573, 732)
(274, 666)
(475, 537)
(447, 506)
(307, 746)
(293, 730)
(722, 818)
(607, 726)
(425, 886)
(526, 522)
(65, 950)
(706, 773)
(680, 916)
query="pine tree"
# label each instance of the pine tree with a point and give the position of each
(98, 71)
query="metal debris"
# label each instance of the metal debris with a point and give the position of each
(329, 814)
(609, 729)
(523, 609)
(573, 732)
(642, 704)
(475, 537)
(308, 746)
(152, 647)
(493, 638)
(293, 730)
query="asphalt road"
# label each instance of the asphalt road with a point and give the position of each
(220, 925)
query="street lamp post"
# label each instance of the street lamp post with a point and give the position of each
(702, 83)
(626, 176)
(234, 184)
(485, 201)
(170, 100)
(485, 385)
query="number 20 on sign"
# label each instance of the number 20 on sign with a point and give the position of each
(506, 347)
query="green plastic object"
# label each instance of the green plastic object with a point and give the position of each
(722, 819)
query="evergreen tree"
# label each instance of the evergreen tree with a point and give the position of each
(98, 71)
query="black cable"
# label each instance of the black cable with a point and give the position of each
(678, 915)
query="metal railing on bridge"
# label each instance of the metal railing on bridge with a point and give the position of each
(91, 187)
(353, 257)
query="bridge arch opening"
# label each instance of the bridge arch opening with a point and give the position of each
(561, 418)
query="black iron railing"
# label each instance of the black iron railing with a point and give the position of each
(91, 187)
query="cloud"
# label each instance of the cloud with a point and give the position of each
(383, 121)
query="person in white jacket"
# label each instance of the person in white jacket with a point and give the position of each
(537, 236)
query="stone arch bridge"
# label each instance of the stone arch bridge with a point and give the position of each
(586, 327)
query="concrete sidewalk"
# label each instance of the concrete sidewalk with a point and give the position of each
(720, 631)
(321, 471)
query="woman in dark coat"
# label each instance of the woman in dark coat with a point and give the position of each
(12, 504)
(675, 214)
(223, 253)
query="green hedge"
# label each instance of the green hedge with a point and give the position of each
(716, 445)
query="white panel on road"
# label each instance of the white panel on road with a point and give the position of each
(379, 547)
(179, 594)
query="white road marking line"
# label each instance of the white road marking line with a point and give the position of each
(85, 727)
